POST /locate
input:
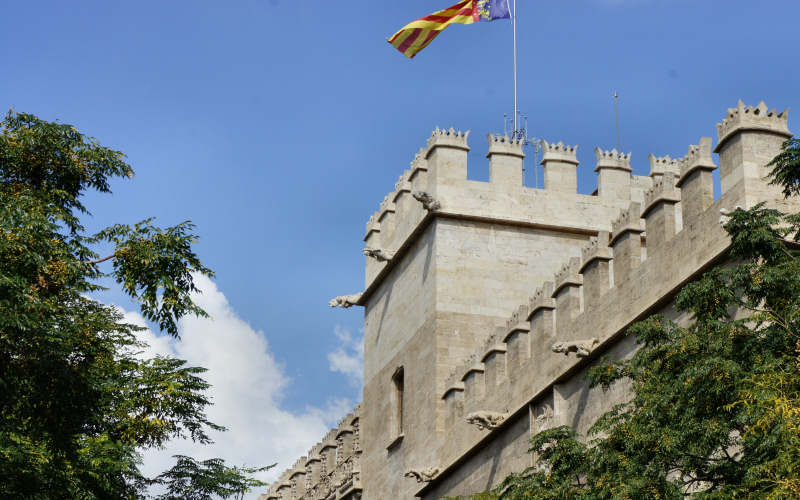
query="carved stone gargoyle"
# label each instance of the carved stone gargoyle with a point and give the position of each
(486, 419)
(581, 348)
(423, 476)
(378, 254)
(345, 301)
(429, 203)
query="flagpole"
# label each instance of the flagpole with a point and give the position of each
(514, 28)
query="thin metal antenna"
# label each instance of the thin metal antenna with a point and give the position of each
(520, 122)
(616, 108)
(521, 135)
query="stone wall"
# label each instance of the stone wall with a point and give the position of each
(331, 470)
(492, 299)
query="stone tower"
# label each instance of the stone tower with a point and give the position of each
(485, 302)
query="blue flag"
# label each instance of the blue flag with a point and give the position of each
(489, 10)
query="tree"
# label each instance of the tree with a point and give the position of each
(77, 401)
(193, 480)
(715, 410)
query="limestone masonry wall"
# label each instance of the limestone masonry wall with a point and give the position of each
(331, 470)
(493, 299)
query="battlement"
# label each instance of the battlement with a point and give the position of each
(419, 163)
(596, 249)
(612, 159)
(664, 189)
(332, 466)
(530, 354)
(752, 118)
(436, 185)
(448, 138)
(586, 306)
(502, 144)
(559, 152)
(662, 165)
(698, 157)
(542, 299)
(629, 220)
(403, 185)
(493, 298)
(568, 275)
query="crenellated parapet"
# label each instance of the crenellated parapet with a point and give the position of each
(505, 160)
(542, 300)
(397, 214)
(612, 160)
(567, 292)
(560, 163)
(613, 174)
(519, 291)
(386, 218)
(629, 221)
(698, 158)
(451, 138)
(560, 152)
(402, 193)
(373, 229)
(626, 242)
(696, 181)
(663, 165)
(568, 276)
(748, 136)
(517, 335)
(595, 268)
(419, 165)
(504, 145)
(560, 316)
(597, 249)
(663, 189)
(660, 210)
(436, 186)
(748, 118)
(330, 470)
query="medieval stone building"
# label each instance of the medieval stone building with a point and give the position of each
(486, 302)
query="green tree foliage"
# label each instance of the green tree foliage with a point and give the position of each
(193, 480)
(77, 400)
(785, 165)
(715, 408)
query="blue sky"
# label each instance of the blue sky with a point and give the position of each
(278, 127)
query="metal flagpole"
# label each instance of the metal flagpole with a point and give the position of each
(514, 28)
(616, 109)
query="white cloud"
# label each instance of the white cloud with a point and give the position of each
(247, 389)
(348, 358)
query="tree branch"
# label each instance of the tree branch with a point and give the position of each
(98, 261)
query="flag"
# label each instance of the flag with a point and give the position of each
(416, 35)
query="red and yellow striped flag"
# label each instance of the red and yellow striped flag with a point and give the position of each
(416, 35)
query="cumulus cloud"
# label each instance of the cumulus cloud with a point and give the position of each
(247, 390)
(348, 358)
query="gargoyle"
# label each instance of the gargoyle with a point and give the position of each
(581, 348)
(428, 202)
(345, 301)
(423, 476)
(378, 254)
(486, 419)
